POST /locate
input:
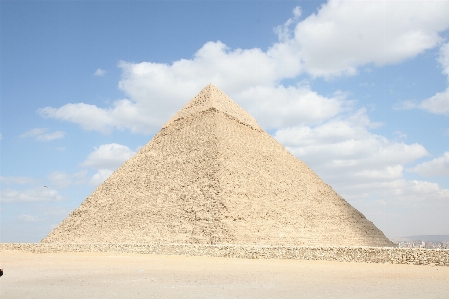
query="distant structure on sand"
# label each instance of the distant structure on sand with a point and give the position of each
(213, 176)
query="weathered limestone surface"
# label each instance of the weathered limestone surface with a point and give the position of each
(213, 176)
(411, 256)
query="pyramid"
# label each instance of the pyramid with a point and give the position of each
(213, 176)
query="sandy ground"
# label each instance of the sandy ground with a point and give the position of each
(106, 275)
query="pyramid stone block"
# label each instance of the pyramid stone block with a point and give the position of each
(213, 176)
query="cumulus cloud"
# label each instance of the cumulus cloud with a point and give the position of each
(99, 72)
(344, 35)
(339, 38)
(41, 135)
(61, 179)
(396, 192)
(100, 176)
(158, 90)
(277, 107)
(444, 58)
(106, 158)
(29, 195)
(348, 156)
(284, 31)
(436, 167)
(81, 114)
(439, 103)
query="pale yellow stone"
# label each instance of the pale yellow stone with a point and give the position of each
(213, 176)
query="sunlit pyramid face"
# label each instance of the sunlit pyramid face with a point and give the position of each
(213, 176)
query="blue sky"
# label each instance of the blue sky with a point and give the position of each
(359, 91)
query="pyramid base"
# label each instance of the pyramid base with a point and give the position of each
(391, 255)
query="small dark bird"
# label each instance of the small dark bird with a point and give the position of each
(1, 272)
(45, 187)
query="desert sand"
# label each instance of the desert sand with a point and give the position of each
(110, 275)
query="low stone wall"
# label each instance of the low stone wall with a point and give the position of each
(392, 255)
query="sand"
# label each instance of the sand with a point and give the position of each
(107, 275)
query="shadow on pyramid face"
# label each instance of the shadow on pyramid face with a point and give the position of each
(213, 176)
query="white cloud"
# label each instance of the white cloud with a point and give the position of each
(394, 192)
(81, 114)
(347, 155)
(106, 159)
(18, 180)
(444, 58)
(100, 176)
(344, 35)
(158, 90)
(34, 132)
(62, 180)
(27, 218)
(51, 136)
(99, 72)
(277, 107)
(405, 105)
(249, 76)
(41, 135)
(108, 156)
(29, 195)
(284, 31)
(436, 167)
(439, 103)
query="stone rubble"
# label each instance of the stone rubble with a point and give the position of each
(391, 255)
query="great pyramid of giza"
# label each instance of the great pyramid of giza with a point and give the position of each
(213, 176)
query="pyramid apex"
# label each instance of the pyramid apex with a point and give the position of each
(212, 97)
